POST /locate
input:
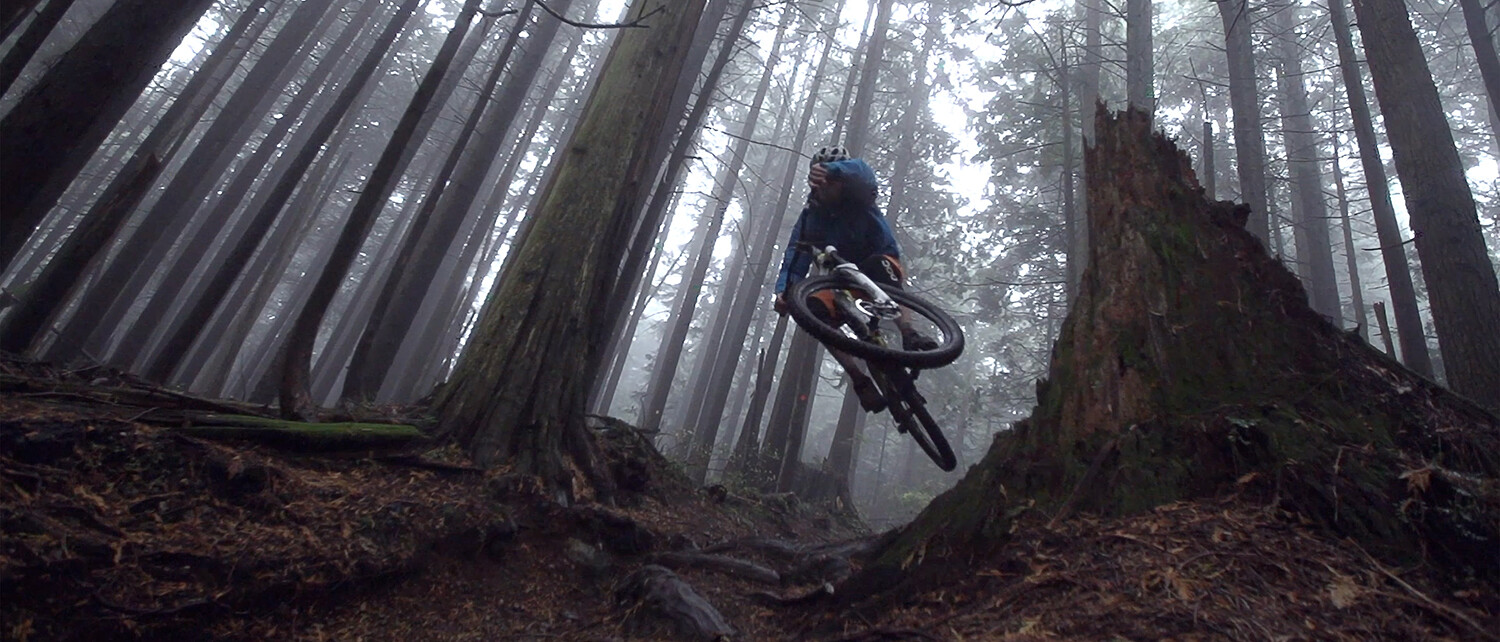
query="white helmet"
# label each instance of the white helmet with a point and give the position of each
(829, 155)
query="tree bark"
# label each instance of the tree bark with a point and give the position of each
(1158, 393)
(13, 14)
(57, 124)
(1461, 284)
(1413, 338)
(1244, 98)
(521, 389)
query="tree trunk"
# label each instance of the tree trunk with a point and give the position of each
(1244, 98)
(248, 228)
(1139, 82)
(1480, 36)
(1158, 393)
(445, 208)
(723, 195)
(521, 389)
(298, 346)
(26, 46)
(14, 13)
(666, 188)
(238, 255)
(1309, 211)
(758, 268)
(129, 272)
(100, 224)
(1413, 338)
(1073, 253)
(1356, 289)
(57, 124)
(746, 456)
(864, 98)
(1461, 284)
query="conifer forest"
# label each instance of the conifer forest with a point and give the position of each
(485, 320)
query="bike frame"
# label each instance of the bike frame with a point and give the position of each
(882, 307)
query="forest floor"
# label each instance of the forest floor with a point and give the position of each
(115, 523)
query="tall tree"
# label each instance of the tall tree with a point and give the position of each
(1356, 289)
(1244, 98)
(27, 44)
(323, 83)
(238, 255)
(52, 289)
(57, 124)
(1413, 338)
(1461, 284)
(297, 350)
(1139, 70)
(864, 97)
(667, 358)
(521, 388)
(758, 272)
(140, 253)
(1481, 37)
(1309, 211)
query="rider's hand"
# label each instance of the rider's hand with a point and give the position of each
(817, 175)
(779, 306)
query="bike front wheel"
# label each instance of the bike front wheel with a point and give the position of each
(909, 410)
(930, 319)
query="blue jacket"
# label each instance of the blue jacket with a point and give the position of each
(855, 226)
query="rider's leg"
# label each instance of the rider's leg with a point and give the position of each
(886, 270)
(869, 396)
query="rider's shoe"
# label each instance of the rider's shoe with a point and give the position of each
(914, 341)
(869, 396)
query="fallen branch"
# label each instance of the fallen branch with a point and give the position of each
(731, 566)
(301, 435)
(1442, 609)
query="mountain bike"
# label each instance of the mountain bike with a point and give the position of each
(868, 330)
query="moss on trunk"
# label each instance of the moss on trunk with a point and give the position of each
(1191, 366)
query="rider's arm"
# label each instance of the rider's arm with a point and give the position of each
(796, 261)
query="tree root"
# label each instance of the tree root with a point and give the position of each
(659, 603)
(720, 564)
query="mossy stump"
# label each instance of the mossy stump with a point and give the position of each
(1191, 366)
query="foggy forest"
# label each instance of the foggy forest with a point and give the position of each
(460, 319)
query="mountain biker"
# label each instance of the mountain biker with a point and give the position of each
(841, 212)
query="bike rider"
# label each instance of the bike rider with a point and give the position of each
(841, 212)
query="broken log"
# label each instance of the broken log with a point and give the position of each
(1191, 366)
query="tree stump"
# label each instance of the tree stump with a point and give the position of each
(1191, 365)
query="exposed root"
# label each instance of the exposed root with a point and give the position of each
(659, 603)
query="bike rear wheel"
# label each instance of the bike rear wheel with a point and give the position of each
(950, 343)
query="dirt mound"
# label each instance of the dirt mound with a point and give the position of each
(1222, 569)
